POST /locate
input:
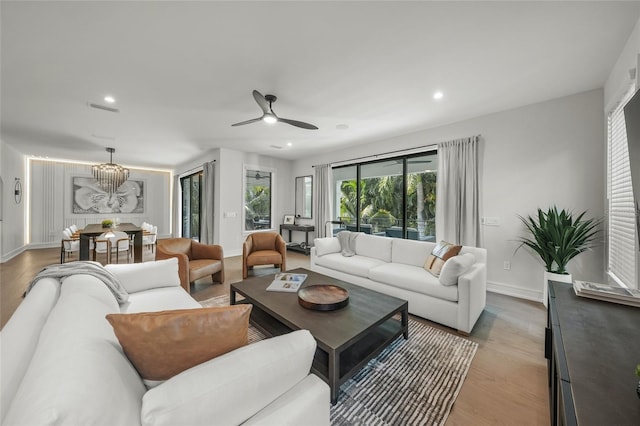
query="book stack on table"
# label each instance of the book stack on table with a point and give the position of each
(608, 293)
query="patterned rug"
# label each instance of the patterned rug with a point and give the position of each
(411, 382)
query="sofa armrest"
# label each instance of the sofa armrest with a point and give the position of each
(206, 251)
(233, 387)
(472, 296)
(183, 265)
(281, 247)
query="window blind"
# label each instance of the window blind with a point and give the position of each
(621, 238)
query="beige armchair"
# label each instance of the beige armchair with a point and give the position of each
(263, 248)
(195, 260)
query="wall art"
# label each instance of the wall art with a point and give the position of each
(89, 197)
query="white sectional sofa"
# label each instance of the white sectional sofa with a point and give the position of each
(62, 364)
(395, 267)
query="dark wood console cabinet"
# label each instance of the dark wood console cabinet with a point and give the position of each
(300, 247)
(592, 348)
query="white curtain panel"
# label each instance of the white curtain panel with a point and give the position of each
(322, 194)
(206, 209)
(457, 199)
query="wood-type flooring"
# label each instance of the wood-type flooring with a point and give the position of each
(507, 382)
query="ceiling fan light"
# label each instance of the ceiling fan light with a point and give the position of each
(269, 118)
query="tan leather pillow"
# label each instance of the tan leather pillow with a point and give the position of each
(439, 255)
(163, 344)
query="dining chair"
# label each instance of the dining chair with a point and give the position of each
(68, 245)
(113, 242)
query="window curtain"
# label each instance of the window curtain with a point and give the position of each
(457, 197)
(177, 207)
(206, 203)
(322, 198)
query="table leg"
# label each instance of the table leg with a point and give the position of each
(137, 247)
(334, 376)
(232, 297)
(84, 247)
(405, 323)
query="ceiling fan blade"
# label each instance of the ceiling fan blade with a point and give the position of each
(242, 123)
(262, 102)
(296, 123)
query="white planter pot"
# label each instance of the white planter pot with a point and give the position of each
(563, 278)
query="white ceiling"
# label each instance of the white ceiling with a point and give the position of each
(183, 72)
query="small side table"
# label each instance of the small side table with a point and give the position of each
(299, 247)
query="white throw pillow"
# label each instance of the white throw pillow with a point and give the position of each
(454, 267)
(147, 275)
(326, 245)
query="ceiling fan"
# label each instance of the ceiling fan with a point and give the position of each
(269, 116)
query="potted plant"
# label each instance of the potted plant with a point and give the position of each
(107, 223)
(557, 237)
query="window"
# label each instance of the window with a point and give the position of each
(258, 193)
(191, 197)
(394, 197)
(621, 227)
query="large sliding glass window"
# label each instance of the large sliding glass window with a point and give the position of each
(191, 197)
(393, 197)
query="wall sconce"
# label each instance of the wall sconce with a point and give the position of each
(17, 191)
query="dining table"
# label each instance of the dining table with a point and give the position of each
(94, 230)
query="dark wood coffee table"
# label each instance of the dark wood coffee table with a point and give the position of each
(347, 338)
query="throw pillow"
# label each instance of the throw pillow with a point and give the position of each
(137, 277)
(442, 252)
(454, 267)
(163, 344)
(326, 246)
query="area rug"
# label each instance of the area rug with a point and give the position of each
(411, 382)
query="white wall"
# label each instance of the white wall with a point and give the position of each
(12, 235)
(229, 198)
(51, 200)
(534, 156)
(619, 80)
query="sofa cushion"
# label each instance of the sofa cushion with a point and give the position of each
(374, 246)
(231, 388)
(79, 374)
(412, 278)
(326, 245)
(159, 299)
(144, 276)
(454, 267)
(410, 252)
(439, 255)
(354, 265)
(163, 344)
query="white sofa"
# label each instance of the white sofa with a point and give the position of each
(395, 267)
(62, 364)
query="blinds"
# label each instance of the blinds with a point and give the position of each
(621, 223)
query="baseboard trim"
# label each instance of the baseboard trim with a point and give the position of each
(513, 291)
(13, 253)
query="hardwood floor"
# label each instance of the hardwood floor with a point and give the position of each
(507, 381)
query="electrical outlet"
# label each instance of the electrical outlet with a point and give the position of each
(507, 265)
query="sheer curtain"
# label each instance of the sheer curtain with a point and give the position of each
(457, 194)
(206, 203)
(322, 196)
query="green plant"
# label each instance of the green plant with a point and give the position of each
(638, 370)
(558, 236)
(107, 223)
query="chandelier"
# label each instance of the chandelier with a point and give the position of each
(110, 176)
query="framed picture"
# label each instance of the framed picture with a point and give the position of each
(289, 219)
(89, 198)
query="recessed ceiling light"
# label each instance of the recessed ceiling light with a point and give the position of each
(109, 99)
(289, 144)
(438, 95)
